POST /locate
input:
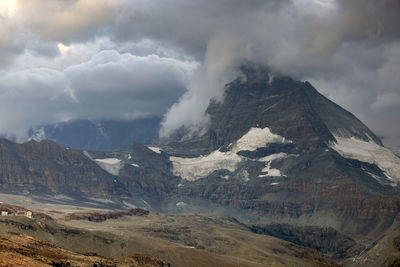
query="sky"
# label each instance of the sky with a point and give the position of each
(125, 59)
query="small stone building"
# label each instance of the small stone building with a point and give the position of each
(28, 213)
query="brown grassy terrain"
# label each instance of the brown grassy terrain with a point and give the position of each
(24, 250)
(182, 240)
(385, 251)
(197, 240)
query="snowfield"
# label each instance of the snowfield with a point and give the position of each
(194, 168)
(369, 152)
(257, 138)
(110, 165)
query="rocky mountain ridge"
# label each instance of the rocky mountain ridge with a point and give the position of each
(46, 168)
(276, 151)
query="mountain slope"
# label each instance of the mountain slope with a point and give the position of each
(47, 168)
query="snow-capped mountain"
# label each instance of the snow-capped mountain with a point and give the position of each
(281, 122)
(276, 150)
(98, 135)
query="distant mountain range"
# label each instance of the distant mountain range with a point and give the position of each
(98, 135)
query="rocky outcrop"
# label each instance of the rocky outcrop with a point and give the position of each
(103, 216)
(345, 207)
(12, 210)
(325, 239)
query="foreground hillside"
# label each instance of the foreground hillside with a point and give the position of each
(182, 240)
(25, 250)
(187, 239)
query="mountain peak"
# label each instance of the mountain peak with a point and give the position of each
(290, 108)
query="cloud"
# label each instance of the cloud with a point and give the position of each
(66, 21)
(386, 101)
(39, 25)
(348, 48)
(207, 84)
(108, 86)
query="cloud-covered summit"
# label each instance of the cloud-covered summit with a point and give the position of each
(124, 58)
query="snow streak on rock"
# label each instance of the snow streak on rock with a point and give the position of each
(110, 165)
(268, 171)
(155, 149)
(369, 152)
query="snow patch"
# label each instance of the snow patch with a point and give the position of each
(110, 161)
(128, 205)
(147, 204)
(195, 168)
(38, 135)
(62, 197)
(257, 138)
(246, 176)
(110, 165)
(155, 149)
(84, 152)
(101, 200)
(369, 152)
(268, 171)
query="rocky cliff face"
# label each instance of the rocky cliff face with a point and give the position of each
(324, 239)
(47, 168)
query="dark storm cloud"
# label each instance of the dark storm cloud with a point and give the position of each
(187, 25)
(348, 48)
